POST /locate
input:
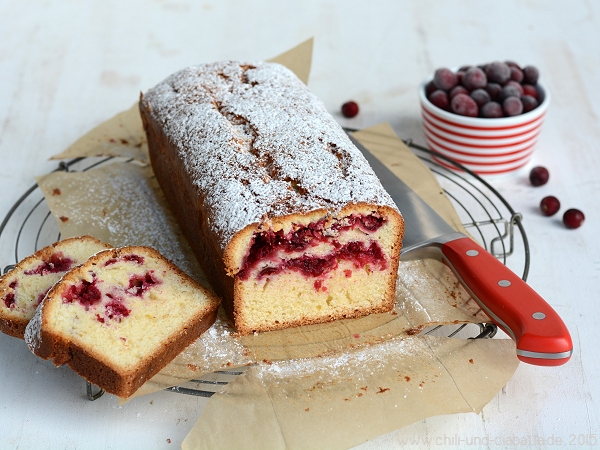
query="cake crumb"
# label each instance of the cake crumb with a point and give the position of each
(382, 390)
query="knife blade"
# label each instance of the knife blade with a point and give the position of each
(540, 335)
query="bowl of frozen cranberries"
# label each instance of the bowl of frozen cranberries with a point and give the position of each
(487, 117)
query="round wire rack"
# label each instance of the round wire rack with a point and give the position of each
(29, 226)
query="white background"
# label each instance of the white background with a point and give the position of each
(66, 66)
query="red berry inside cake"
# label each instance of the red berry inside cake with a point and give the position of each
(332, 267)
(23, 288)
(121, 317)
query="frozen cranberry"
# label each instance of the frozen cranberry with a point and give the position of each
(429, 88)
(492, 110)
(474, 78)
(494, 90)
(350, 109)
(516, 74)
(459, 76)
(497, 72)
(512, 64)
(517, 85)
(480, 96)
(528, 89)
(573, 218)
(464, 105)
(457, 90)
(464, 68)
(512, 106)
(444, 79)
(440, 99)
(549, 205)
(539, 176)
(509, 91)
(530, 75)
(529, 103)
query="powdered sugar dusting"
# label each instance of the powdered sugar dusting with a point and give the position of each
(258, 144)
(118, 204)
(33, 331)
(351, 364)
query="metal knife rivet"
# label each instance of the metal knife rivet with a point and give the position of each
(472, 253)
(538, 315)
(504, 283)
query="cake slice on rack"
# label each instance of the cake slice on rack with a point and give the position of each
(120, 317)
(24, 287)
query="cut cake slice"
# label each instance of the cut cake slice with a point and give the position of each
(24, 287)
(119, 318)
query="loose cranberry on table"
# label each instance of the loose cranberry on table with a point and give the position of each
(350, 109)
(539, 176)
(573, 218)
(549, 205)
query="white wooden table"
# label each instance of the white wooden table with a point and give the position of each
(67, 66)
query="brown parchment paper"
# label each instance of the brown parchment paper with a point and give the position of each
(341, 401)
(122, 204)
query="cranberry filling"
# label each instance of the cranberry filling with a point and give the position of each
(129, 258)
(315, 266)
(86, 293)
(357, 252)
(368, 224)
(138, 284)
(9, 300)
(267, 243)
(116, 310)
(13, 284)
(57, 263)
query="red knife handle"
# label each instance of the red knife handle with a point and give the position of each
(540, 334)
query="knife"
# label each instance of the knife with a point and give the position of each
(538, 331)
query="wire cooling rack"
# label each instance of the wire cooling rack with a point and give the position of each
(489, 218)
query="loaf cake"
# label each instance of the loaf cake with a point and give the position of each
(120, 317)
(284, 213)
(23, 288)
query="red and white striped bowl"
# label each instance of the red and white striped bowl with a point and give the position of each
(485, 146)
